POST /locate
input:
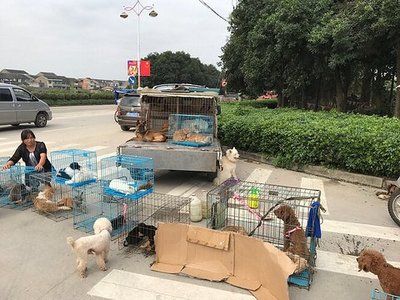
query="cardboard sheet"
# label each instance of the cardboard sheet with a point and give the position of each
(242, 261)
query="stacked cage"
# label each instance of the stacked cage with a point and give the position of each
(16, 187)
(151, 210)
(379, 295)
(127, 176)
(156, 108)
(191, 130)
(74, 167)
(93, 203)
(260, 210)
(51, 198)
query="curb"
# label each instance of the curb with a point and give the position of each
(355, 178)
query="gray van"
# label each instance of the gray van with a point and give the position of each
(20, 106)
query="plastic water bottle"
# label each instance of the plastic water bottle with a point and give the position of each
(195, 209)
(254, 198)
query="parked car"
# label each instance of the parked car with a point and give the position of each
(20, 106)
(128, 111)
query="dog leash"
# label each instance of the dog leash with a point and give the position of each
(237, 197)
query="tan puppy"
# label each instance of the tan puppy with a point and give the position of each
(228, 166)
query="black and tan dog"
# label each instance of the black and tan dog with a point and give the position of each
(137, 235)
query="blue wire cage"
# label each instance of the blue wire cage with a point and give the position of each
(59, 204)
(74, 167)
(15, 187)
(191, 130)
(127, 176)
(379, 295)
(93, 203)
(241, 204)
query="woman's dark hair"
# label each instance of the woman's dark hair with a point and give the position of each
(26, 133)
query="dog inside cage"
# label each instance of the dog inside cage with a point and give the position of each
(276, 214)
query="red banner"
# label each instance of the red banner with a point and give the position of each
(145, 68)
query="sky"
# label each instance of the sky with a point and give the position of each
(87, 38)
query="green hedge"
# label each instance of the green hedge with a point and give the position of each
(356, 143)
(67, 102)
(71, 94)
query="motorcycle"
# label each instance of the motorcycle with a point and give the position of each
(394, 203)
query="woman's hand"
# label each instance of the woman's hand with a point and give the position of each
(7, 166)
(38, 168)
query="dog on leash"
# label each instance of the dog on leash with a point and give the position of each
(97, 244)
(227, 166)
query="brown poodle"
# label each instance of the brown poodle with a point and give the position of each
(295, 240)
(374, 262)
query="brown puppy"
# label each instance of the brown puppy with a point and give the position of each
(295, 240)
(374, 262)
(145, 135)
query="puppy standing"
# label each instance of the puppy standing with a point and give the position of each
(374, 262)
(228, 166)
(98, 244)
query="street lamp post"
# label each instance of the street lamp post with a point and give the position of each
(138, 8)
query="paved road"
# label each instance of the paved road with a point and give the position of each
(36, 263)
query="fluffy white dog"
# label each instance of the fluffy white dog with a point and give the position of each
(98, 244)
(228, 166)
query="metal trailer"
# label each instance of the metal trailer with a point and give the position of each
(156, 108)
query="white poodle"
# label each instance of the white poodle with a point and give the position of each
(228, 166)
(98, 244)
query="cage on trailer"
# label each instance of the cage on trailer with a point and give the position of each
(52, 198)
(94, 203)
(127, 176)
(152, 209)
(379, 295)
(74, 167)
(157, 107)
(15, 187)
(191, 130)
(248, 207)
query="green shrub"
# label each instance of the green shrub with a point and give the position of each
(269, 103)
(356, 143)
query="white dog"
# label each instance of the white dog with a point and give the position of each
(228, 166)
(98, 244)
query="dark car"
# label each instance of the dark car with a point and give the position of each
(128, 111)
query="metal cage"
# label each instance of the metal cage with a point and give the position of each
(127, 176)
(379, 295)
(15, 187)
(74, 167)
(191, 130)
(151, 210)
(157, 107)
(57, 205)
(240, 206)
(92, 203)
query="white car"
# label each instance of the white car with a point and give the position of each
(20, 106)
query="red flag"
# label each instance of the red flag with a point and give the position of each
(145, 68)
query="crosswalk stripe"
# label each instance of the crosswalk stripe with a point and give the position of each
(365, 230)
(62, 147)
(96, 148)
(99, 158)
(12, 149)
(316, 184)
(181, 189)
(259, 175)
(123, 285)
(10, 143)
(57, 129)
(343, 264)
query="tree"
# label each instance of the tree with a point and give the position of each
(180, 67)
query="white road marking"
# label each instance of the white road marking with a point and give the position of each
(63, 147)
(342, 264)
(96, 148)
(10, 143)
(316, 184)
(259, 175)
(12, 149)
(124, 285)
(365, 230)
(80, 115)
(99, 158)
(184, 188)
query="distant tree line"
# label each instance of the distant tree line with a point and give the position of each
(180, 67)
(317, 53)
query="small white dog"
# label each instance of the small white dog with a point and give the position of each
(228, 167)
(98, 244)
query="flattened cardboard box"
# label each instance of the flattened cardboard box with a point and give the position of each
(239, 260)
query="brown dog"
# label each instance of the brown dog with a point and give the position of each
(145, 135)
(295, 240)
(374, 262)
